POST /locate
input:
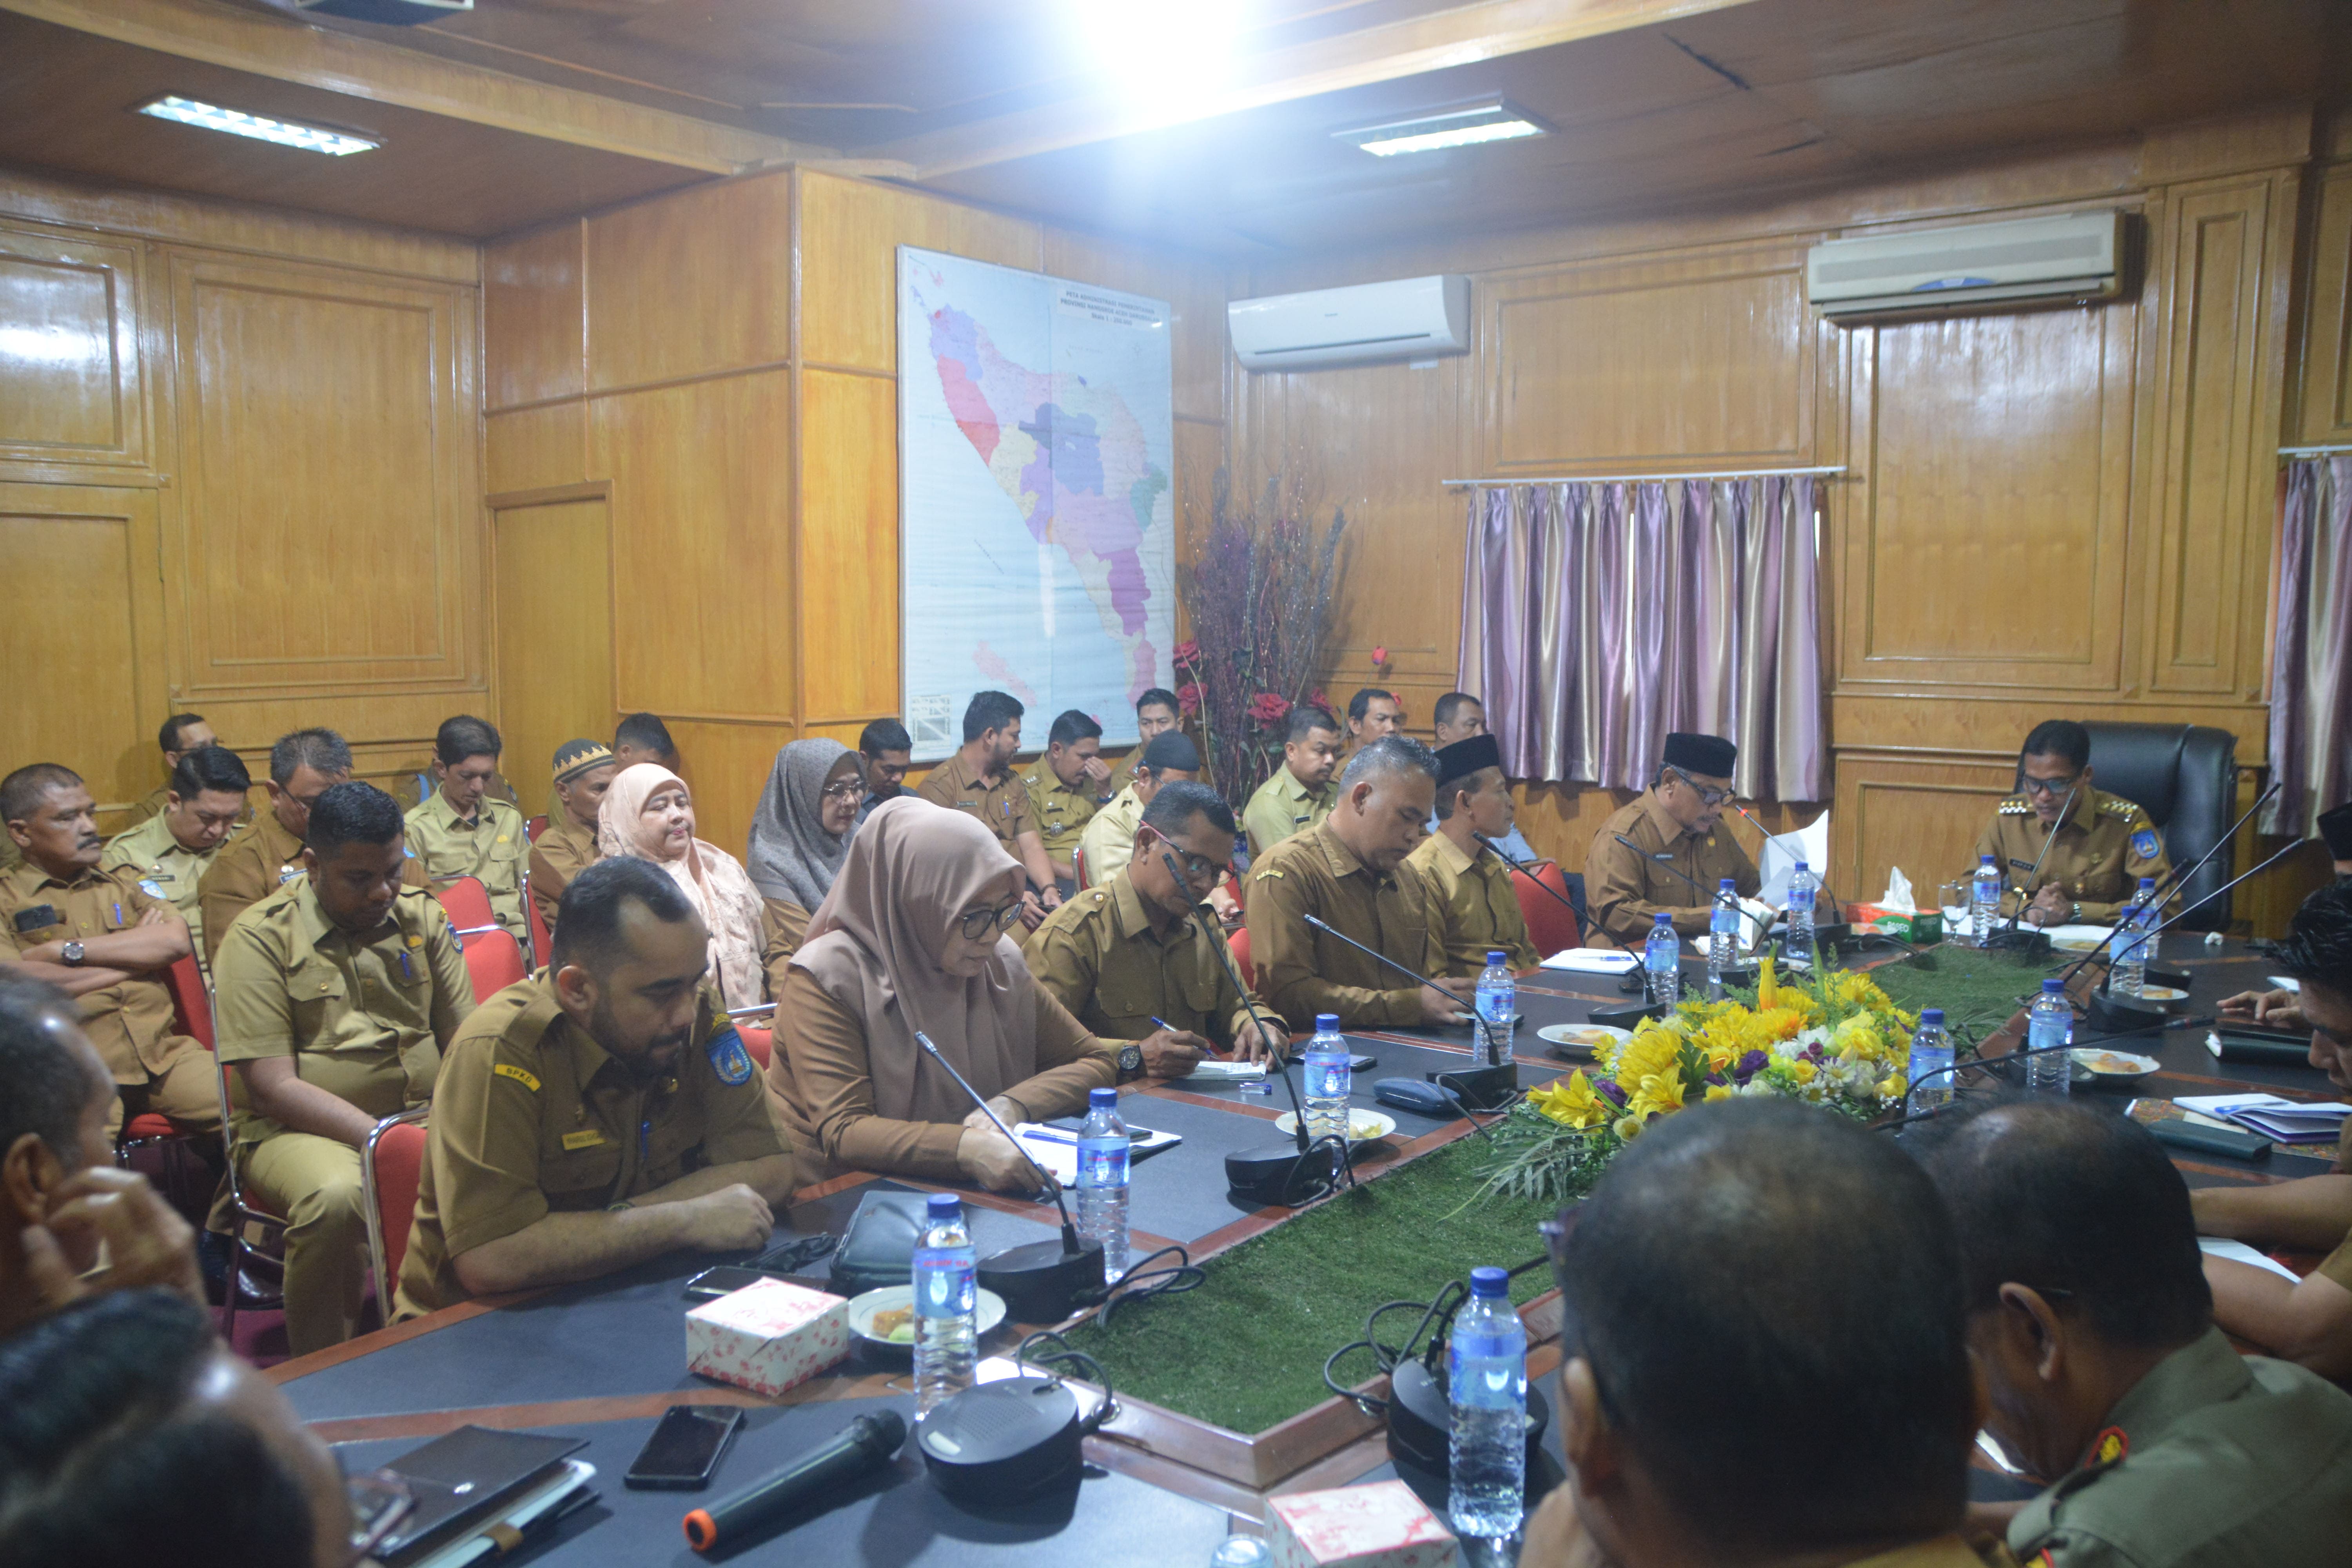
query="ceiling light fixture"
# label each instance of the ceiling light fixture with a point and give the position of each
(237, 123)
(1495, 119)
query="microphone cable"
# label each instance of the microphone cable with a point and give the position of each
(1062, 1361)
(1142, 1281)
(1436, 1321)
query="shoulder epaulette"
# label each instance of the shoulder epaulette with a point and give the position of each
(2014, 807)
(2116, 806)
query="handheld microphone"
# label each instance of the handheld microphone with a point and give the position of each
(865, 1445)
(1491, 1086)
(2033, 942)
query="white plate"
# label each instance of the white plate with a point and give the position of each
(2077, 937)
(2091, 1058)
(2163, 994)
(1363, 1126)
(862, 1309)
(1582, 1037)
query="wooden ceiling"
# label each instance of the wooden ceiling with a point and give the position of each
(525, 109)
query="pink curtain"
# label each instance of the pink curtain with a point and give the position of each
(1598, 616)
(2311, 664)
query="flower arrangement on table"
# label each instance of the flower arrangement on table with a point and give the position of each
(1836, 1040)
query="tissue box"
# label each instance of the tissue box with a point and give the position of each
(767, 1336)
(1914, 926)
(1379, 1526)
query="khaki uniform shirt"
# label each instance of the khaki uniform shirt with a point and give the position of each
(783, 926)
(1624, 892)
(148, 806)
(2211, 1459)
(1304, 972)
(564, 850)
(1003, 805)
(1283, 807)
(1061, 811)
(1109, 841)
(1944, 1552)
(258, 858)
(131, 1021)
(1473, 909)
(364, 1017)
(490, 847)
(1100, 958)
(167, 870)
(2103, 847)
(531, 1117)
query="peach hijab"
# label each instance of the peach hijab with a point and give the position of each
(714, 879)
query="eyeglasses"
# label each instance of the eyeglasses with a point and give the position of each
(847, 789)
(977, 925)
(380, 1500)
(1707, 795)
(2048, 786)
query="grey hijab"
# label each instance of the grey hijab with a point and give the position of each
(792, 856)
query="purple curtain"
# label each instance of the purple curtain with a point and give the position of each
(1597, 617)
(2311, 664)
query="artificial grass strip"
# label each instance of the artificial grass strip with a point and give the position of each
(1245, 1350)
(1978, 991)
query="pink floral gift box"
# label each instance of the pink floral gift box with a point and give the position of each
(1379, 1526)
(767, 1336)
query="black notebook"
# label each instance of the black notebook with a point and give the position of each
(461, 1478)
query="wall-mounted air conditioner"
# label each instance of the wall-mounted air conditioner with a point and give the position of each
(1405, 318)
(2073, 257)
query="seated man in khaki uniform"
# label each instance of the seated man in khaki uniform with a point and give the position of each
(1066, 786)
(598, 1114)
(885, 751)
(1676, 824)
(1348, 871)
(181, 734)
(1298, 794)
(462, 830)
(2099, 845)
(1134, 960)
(978, 781)
(267, 854)
(104, 941)
(1471, 907)
(1157, 711)
(1166, 758)
(171, 850)
(1372, 715)
(584, 769)
(333, 998)
(2092, 1322)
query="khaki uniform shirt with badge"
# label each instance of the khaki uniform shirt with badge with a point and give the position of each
(2211, 1459)
(532, 1116)
(2103, 847)
(491, 849)
(1301, 971)
(130, 1022)
(564, 850)
(167, 869)
(363, 1017)
(1110, 842)
(1100, 958)
(1062, 811)
(1003, 805)
(1624, 891)
(258, 858)
(1473, 909)
(1283, 807)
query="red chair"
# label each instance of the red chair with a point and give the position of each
(494, 960)
(391, 1164)
(1551, 924)
(467, 903)
(542, 941)
(534, 828)
(1078, 869)
(1239, 945)
(192, 1014)
(760, 1038)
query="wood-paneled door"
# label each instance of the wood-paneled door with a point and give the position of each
(554, 633)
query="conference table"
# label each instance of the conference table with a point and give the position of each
(601, 1361)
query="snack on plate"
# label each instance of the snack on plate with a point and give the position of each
(896, 1325)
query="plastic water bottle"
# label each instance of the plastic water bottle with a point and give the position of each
(1241, 1551)
(1486, 1385)
(1931, 1052)
(1498, 1006)
(1103, 1149)
(1802, 887)
(1661, 960)
(1328, 1080)
(2130, 972)
(1722, 937)
(1984, 900)
(946, 1305)
(2050, 1022)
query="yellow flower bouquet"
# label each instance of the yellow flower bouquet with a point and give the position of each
(1837, 1040)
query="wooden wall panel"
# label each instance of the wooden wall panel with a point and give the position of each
(1923, 816)
(2324, 401)
(726, 766)
(535, 449)
(69, 372)
(553, 569)
(534, 315)
(849, 545)
(692, 283)
(851, 230)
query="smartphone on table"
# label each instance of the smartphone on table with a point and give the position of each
(685, 1449)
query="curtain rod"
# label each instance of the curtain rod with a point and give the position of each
(1644, 479)
(2311, 451)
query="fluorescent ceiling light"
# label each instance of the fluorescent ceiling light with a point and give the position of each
(1493, 120)
(237, 123)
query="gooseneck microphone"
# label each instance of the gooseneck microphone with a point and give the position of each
(865, 1445)
(2178, 878)
(2035, 942)
(1523, 869)
(1266, 1033)
(1706, 895)
(1491, 1085)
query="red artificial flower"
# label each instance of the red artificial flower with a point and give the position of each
(1269, 709)
(1319, 699)
(1379, 656)
(1188, 651)
(1188, 698)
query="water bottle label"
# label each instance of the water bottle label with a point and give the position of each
(1494, 1006)
(943, 1285)
(1328, 1080)
(1103, 1167)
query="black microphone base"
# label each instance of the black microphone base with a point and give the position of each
(1626, 1017)
(1420, 1421)
(2023, 943)
(2112, 1012)
(1003, 1441)
(1480, 1088)
(1279, 1175)
(2176, 978)
(1042, 1283)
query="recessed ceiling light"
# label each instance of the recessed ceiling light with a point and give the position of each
(237, 123)
(1493, 120)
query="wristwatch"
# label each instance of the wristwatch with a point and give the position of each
(1130, 1061)
(2075, 913)
(71, 954)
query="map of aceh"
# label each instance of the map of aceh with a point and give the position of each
(1037, 519)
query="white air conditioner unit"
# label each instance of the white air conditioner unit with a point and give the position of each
(1405, 318)
(2073, 257)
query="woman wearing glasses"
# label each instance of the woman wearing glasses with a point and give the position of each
(800, 837)
(912, 937)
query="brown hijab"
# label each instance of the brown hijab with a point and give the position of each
(875, 945)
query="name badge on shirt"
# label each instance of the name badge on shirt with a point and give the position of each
(287, 873)
(40, 917)
(729, 1060)
(587, 1137)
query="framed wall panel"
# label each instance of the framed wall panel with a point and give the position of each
(70, 388)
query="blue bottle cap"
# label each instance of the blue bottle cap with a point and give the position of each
(1800, 871)
(1984, 859)
(1326, 1022)
(2147, 884)
(1726, 886)
(1103, 1098)
(1665, 919)
(1496, 955)
(1927, 1015)
(944, 1205)
(2053, 986)
(1489, 1281)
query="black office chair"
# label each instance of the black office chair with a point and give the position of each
(2185, 776)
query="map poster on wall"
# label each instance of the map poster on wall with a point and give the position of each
(1037, 502)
